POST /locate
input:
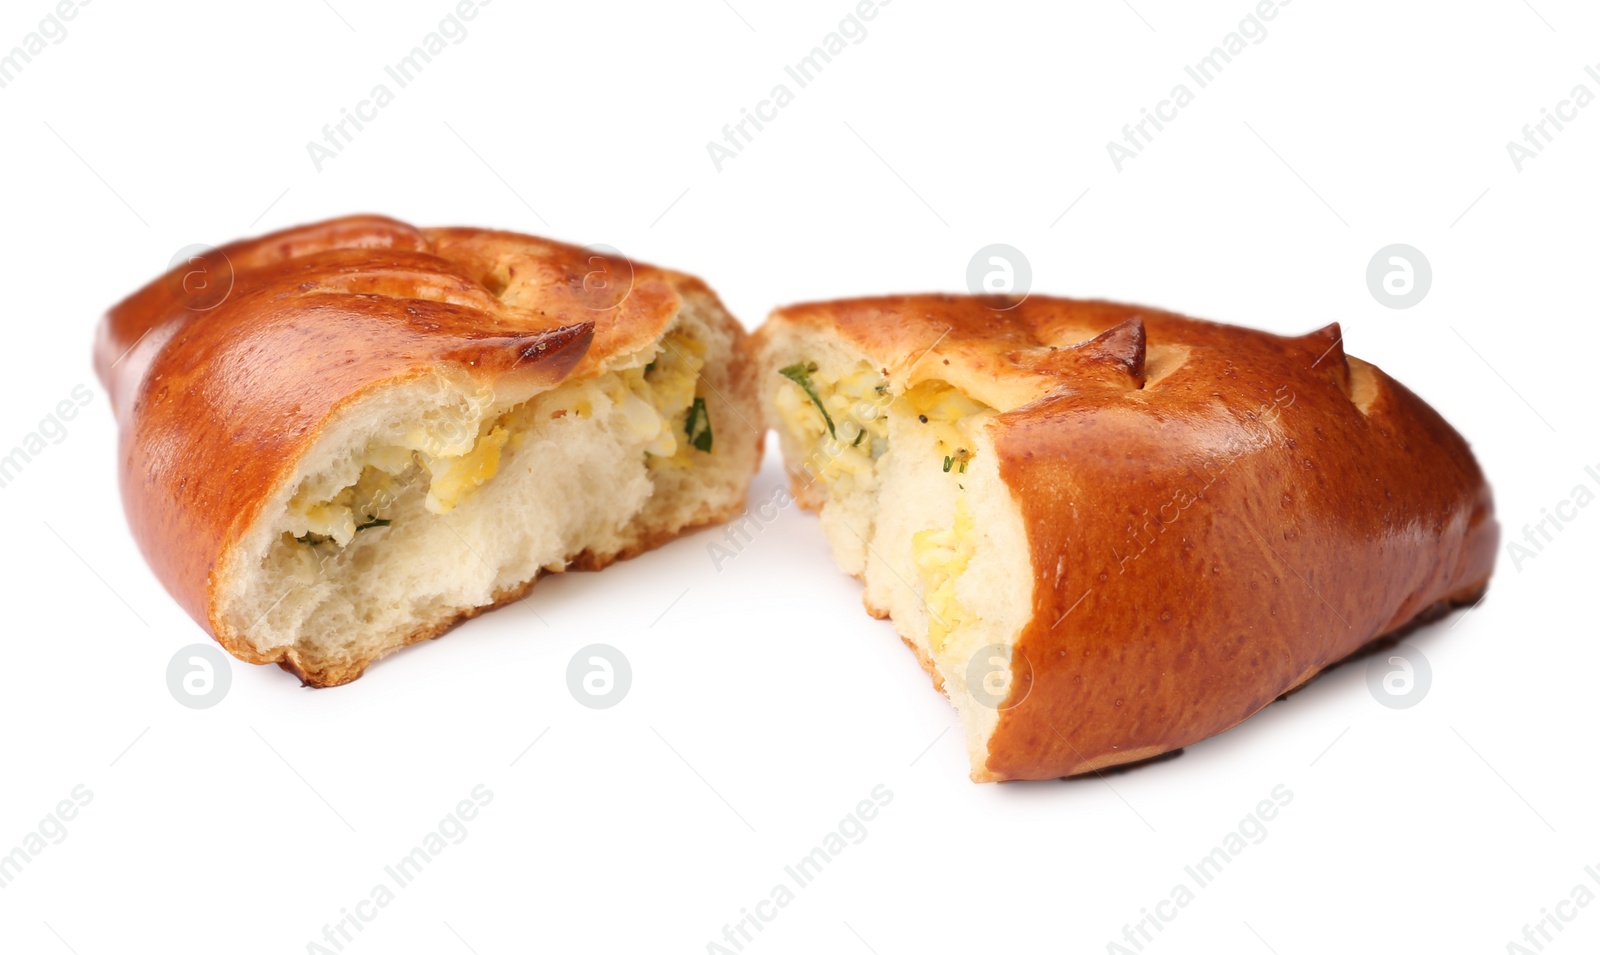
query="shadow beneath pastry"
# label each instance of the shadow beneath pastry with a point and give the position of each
(1424, 619)
(1121, 768)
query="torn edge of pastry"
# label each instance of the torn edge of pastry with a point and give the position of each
(434, 498)
(902, 469)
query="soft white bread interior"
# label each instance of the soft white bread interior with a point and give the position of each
(432, 499)
(912, 503)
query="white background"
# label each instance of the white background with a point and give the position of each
(765, 704)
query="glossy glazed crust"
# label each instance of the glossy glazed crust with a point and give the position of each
(1214, 514)
(218, 397)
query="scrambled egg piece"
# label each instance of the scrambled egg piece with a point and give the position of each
(333, 519)
(943, 408)
(941, 557)
(654, 400)
(847, 422)
(455, 477)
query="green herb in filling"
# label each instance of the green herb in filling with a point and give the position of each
(698, 426)
(373, 522)
(800, 374)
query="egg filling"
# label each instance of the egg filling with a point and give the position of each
(841, 421)
(654, 405)
(942, 556)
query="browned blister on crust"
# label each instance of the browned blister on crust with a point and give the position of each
(1213, 514)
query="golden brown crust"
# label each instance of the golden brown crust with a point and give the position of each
(1214, 514)
(219, 397)
(1004, 357)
